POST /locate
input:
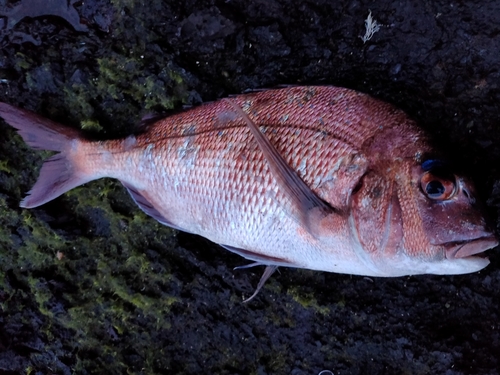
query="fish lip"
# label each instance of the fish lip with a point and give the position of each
(471, 248)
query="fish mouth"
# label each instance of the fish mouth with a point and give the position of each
(468, 249)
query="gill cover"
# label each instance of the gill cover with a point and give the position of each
(377, 214)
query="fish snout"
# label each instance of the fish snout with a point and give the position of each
(469, 248)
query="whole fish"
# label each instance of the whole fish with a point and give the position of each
(323, 178)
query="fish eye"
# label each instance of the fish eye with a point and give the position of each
(436, 187)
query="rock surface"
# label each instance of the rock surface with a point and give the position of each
(89, 284)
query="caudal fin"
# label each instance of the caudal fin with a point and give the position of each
(58, 173)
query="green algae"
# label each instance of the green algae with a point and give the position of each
(116, 280)
(22, 62)
(131, 78)
(87, 275)
(140, 87)
(91, 125)
(4, 166)
(9, 219)
(42, 295)
(121, 4)
(78, 98)
(308, 301)
(90, 272)
(127, 86)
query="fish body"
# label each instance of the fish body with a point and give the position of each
(323, 178)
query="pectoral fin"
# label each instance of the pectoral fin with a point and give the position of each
(300, 194)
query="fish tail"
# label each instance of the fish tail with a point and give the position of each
(59, 173)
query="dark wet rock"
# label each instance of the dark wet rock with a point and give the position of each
(88, 284)
(33, 8)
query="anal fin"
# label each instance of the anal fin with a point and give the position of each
(146, 206)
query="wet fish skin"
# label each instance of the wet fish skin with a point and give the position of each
(203, 171)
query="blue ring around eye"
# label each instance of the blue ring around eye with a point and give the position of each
(432, 164)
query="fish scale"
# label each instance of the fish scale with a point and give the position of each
(251, 199)
(316, 177)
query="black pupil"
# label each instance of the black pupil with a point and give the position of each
(435, 188)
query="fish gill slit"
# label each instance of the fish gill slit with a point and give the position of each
(358, 247)
(388, 223)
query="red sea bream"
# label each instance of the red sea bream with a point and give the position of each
(323, 178)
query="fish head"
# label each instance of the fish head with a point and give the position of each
(413, 215)
(451, 218)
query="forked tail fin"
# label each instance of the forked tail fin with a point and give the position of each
(58, 173)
